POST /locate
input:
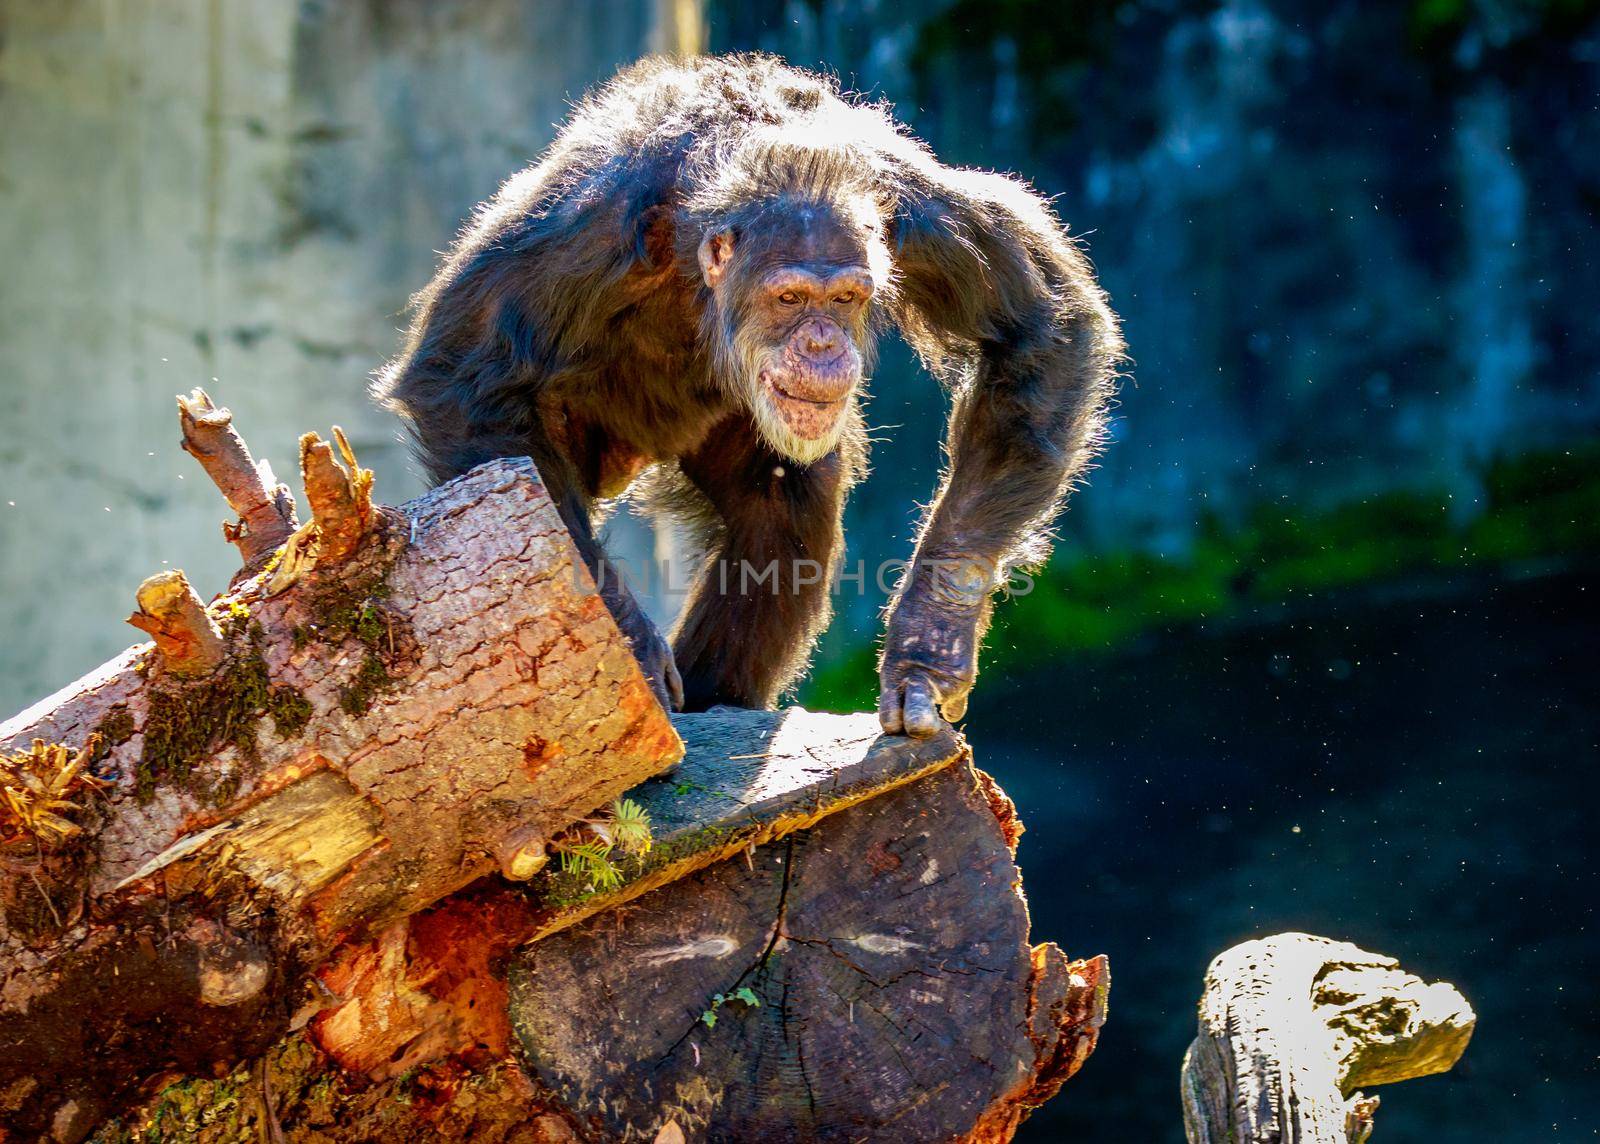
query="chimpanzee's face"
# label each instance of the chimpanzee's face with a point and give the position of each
(806, 316)
(793, 306)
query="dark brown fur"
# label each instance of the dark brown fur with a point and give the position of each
(571, 322)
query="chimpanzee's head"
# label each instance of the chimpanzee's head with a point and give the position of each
(790, 323)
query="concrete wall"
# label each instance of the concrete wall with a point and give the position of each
(238, 194)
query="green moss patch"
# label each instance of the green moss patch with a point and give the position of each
(115, 728)
(188, 721)
(357, 611)
(371, 678)
(312, 1099)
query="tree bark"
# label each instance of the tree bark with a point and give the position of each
(400, 702)
(1292, 1026)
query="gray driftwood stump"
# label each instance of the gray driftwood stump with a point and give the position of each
(1293, 1026)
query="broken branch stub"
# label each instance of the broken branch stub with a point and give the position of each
(265, 507)
(521, 854)
(171, 612)
(340, 496)
(1292, 1026)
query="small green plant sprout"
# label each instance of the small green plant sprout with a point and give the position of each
(591, 862)
(588, 852)
(40, 789)
(743, 995)
(627, 827)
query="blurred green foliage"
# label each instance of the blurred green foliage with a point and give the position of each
(1543, 505)
(1436, 23)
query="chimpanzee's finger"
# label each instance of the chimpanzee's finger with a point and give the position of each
(955, 707)
(889, 715)
(921, 709)
(674, 683)
(658, 688)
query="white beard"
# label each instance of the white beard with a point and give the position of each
(783, 440)
(740, 366)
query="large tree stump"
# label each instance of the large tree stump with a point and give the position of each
(866, 979)
(400, 702)
(1293, 1026)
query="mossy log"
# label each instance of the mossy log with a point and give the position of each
(397, 703)
(1292, 1027)
(431, 1041)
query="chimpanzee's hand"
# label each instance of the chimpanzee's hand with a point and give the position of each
(930, 654)
(654, 654)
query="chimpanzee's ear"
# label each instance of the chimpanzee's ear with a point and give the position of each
(716, 250)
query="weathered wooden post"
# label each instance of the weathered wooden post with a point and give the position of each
(1292, 1027)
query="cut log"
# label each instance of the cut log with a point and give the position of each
(1293, 1026)
(422, 1048)
(430, 986)
(866, 979)
(403, 699)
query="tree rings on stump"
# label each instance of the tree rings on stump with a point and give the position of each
(867, 979)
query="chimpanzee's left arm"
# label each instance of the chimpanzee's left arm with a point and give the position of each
(996, 299)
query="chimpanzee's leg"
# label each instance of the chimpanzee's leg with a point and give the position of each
(761, 597)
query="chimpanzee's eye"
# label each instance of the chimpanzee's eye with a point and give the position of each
(846, 298)
(789, 298)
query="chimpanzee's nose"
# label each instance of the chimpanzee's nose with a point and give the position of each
(821, 338)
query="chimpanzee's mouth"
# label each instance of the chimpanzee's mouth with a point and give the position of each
(812, 417)
(787, 396)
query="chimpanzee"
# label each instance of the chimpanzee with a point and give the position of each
(691, 282)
